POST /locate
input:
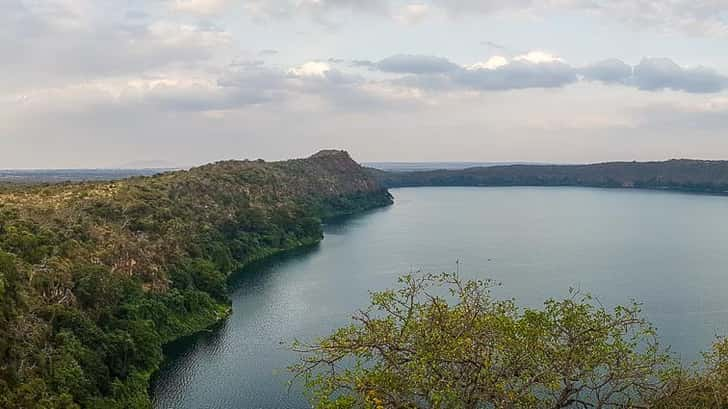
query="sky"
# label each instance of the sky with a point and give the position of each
(108, 83)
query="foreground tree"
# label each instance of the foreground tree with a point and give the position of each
(703, 389)
(443, 342)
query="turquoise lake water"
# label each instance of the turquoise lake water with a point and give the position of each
(666, 250)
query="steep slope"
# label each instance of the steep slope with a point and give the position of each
(95, 277)
(676, 174)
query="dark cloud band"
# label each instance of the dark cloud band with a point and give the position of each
(651, 74)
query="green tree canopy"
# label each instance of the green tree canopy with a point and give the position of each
(443, 342)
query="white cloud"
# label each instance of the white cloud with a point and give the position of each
(319, 10)
(517, 74)
(157, 70)
(310, 69)
(413, 13)
(203, 7)
(654, 74)
(411, 80)
(170, 34)
(491, 64)
(703, 17)
(51, 43)
(538, 69)
(706, 17)
(538, 57)
(240, 86)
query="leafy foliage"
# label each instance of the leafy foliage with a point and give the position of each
(701, 389)
(96, 277)
(443, 342)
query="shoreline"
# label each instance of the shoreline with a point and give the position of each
(265, 256)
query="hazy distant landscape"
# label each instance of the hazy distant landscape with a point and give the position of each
(73, 175)
(425, 166)
(683, 174)
(134, 169)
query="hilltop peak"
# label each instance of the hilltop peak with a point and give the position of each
(328, 153)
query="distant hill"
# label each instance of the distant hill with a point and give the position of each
(422, 166)
(675, 174)
(148, 164)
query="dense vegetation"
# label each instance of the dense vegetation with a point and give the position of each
(96, 277)
(440, 342)
(682, 174)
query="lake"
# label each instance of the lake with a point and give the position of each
(667, 250)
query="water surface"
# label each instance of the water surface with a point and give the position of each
(667, 250)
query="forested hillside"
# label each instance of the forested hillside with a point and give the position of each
(676, 174)
(96, 277)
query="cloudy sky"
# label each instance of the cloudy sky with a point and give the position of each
(99, 83)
